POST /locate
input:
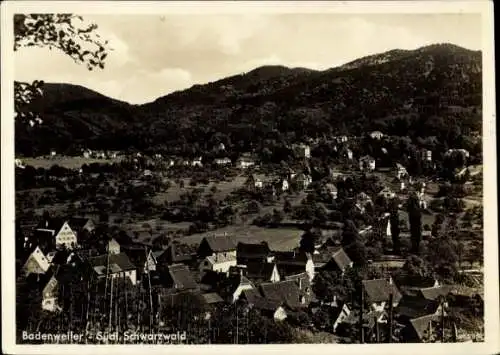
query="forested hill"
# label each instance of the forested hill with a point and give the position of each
(432, 91)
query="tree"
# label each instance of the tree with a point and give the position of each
(415, 218)
(65, 32)
(353, 243)
(395, 229)
(308, 240)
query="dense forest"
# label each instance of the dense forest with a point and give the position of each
(434, 91)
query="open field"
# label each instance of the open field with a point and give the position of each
(64, 161)
(278, 238)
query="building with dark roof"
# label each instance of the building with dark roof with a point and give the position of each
(377, 293)
(261, 272)
(421, 329)
(337, 258)
(253, 252)
(81, 225)
(292, 263)
(411, 307)
(179, 277)
(285, 291)
(55, 232)
(177, 253)
(217, 245)
(114, 266)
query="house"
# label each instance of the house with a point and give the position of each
(302, 150)
(346, 153)
(179, 277)
(81, 225)
(36, 263)
(426, 155)
(254, 182)
(19, 163)
(362, 201)
(50, 293)
(53, 153)
(196, 162)
(113, 247)
(177, 253)
(270, 308)
(400, 171)
(217, 263)
(283, 184)
(253, 252)
(377, 293)
(58, 232)
(115, 266)
(339, 314)
(422, 201)
(376, 135)
(87, 153)
(142, 257)
(293, 262)
(387, 193)
(217, 245)
(465, 153)
(260, 272)
(331, 190)
(411, 307)
(233, 286)
(303, 181)
(421, 329)
(284, 291)
(222, 161)
(366, 163)
(245, 161)
(338, 259)
(304, 284)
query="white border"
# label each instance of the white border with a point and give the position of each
(492, 331)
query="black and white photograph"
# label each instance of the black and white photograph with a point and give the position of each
(184, 174)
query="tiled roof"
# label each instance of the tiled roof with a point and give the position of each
(220, 243)
(182, 277)
(414, 306)
(379, 290)
(212, 297)
(265, 304)
(218, 259)
(117, 263)
(77, 223)
(433, 293)
(340, 257)
(259, 270)
(414, 281)
(54, 224)
(421, 325)
(252, 249)
(292, 257)
(251, 295)
(285, 291)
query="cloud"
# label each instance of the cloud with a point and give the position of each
(153, 55)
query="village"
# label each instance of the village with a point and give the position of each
(343, 240)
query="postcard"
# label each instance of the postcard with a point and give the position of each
(191, 177)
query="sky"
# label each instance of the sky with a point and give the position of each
(153, 55)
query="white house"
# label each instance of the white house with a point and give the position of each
(376, 135)
(37, 263)
(245, 162)
(217, 263)
(223, 161)
(284, 185)
(196, 162)
(19, 163)
(302, 150)
(400, 171)
(60, 231)
(115, 266)
(367, 163)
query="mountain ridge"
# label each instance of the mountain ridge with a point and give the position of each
(249, 107)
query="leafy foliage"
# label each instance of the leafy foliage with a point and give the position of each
(65, 32)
